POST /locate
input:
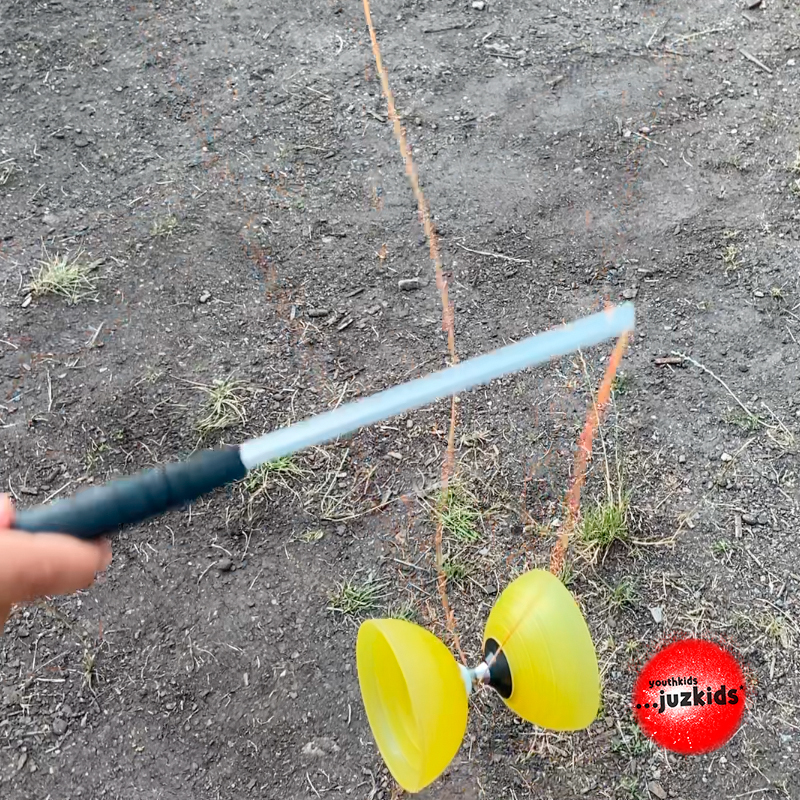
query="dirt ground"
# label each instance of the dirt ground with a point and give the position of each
(230, 167)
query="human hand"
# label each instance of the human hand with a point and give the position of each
(33, 565)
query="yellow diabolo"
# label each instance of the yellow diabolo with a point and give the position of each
(538, 655)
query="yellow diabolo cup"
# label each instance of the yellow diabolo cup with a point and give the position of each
(415, 699)
(547, 653)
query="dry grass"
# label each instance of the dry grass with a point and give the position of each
(68, 276)
(164, 227)
(730, 257)
(7, 168)
(224, 406)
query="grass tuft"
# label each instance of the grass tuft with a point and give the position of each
(623, 594)
(457, 570)
(68, 276)
(405, 611)
(283, 468)
(605, 524)
(458, 513)
(352, 597)
(224, 406)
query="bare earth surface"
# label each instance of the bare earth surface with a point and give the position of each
(231, 167)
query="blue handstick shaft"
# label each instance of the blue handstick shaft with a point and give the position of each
(101, 509)
(423, 391)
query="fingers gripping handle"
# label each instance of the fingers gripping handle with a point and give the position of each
(102, 509)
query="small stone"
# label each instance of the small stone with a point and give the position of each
(51, 220)
(655, 788)
(758, 294)
(630, 294)
(658, 614)
(409, 284)
(749, 519)
(763, 519)
(224, 565)
(478, 5)
(81, 142)
(59, 726)
(726, 457)
(205, 297)
(66, 711)
(681, 459)
(318, 312)
(27, 301)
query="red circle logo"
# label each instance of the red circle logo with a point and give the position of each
(690, 696)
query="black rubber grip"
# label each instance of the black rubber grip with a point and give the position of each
(103, 509)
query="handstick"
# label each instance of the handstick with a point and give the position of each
(102, 509)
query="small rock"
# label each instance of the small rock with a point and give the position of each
(749, 519)
(50, 219)
(751, 4)
(478, 5)
(658, 614)
(81, 142)
(27, 301)
(409, 284)
(205, 297)
(318, 312)
(66, 711)
(681, 459)
(758, 294)
(655, 788)
(630, 294)
(726, 457)
(224, 565)
(59, 726)
(763, 519)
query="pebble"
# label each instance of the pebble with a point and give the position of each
(630, 294)
(658, 614)
(59, 726)
(726, 457)
(224, 565)
(681, 459)
(749, 519)
(655, 788)
(409, 284)
(479, 5)
(50, 219)
(205, 297)
(66, 711)
(318, 312)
